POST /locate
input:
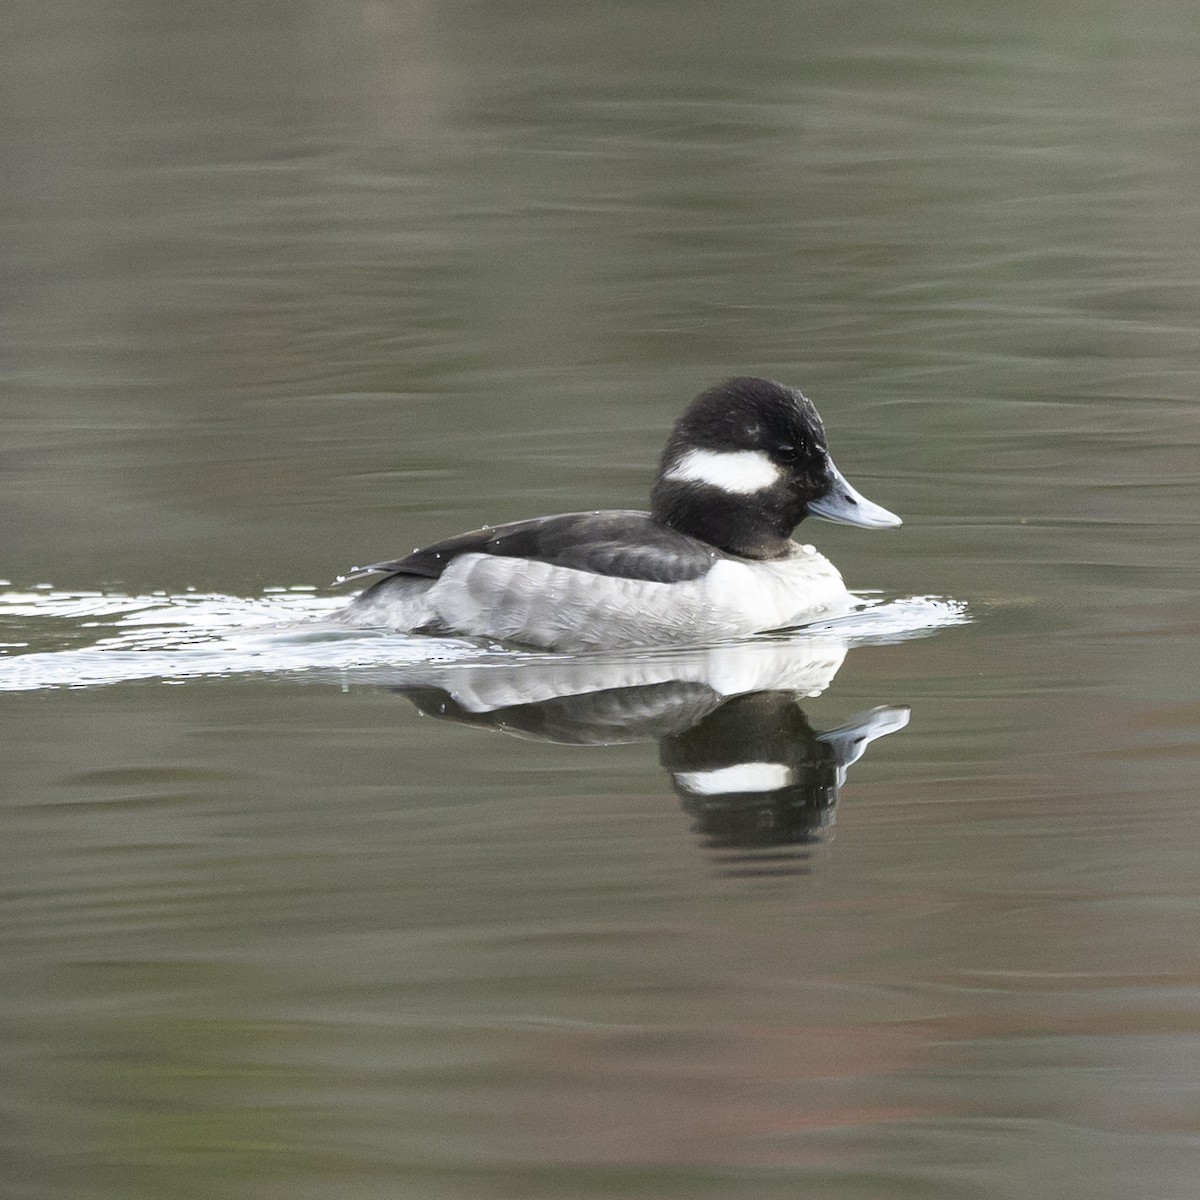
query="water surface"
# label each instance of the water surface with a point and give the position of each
(287, 290)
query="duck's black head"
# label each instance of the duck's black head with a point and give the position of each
(746, 463)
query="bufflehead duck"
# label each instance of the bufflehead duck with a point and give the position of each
(713, 558)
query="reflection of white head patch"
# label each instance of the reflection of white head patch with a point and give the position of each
(741, 471)
(744, 777)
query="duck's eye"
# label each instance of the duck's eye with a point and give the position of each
(786, 451)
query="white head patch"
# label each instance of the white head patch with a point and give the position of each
(740, 471)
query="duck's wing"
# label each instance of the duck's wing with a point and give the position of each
(628, 544)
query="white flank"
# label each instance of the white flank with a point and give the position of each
(745, 777)
(740, 471)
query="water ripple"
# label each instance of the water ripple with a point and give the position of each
(174, 637)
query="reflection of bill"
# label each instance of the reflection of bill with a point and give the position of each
(740, 751)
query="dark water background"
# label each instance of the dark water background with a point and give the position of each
(284, 288)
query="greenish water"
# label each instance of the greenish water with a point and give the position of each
(286, 289)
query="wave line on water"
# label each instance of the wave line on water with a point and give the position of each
(189, 635)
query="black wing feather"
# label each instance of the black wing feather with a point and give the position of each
(631, 545)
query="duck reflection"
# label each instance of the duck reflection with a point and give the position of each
(758, 780)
